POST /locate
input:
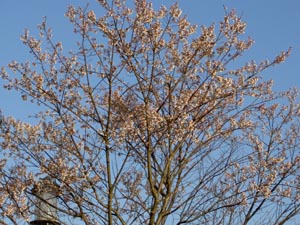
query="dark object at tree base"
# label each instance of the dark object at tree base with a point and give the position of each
(44, 222)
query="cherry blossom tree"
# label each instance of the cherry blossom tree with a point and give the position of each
(150, 120)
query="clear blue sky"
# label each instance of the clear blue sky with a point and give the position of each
(274, 25)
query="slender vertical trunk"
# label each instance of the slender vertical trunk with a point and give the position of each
(107, 156)
(110, 192)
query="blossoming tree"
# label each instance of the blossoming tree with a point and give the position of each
(150, 121)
